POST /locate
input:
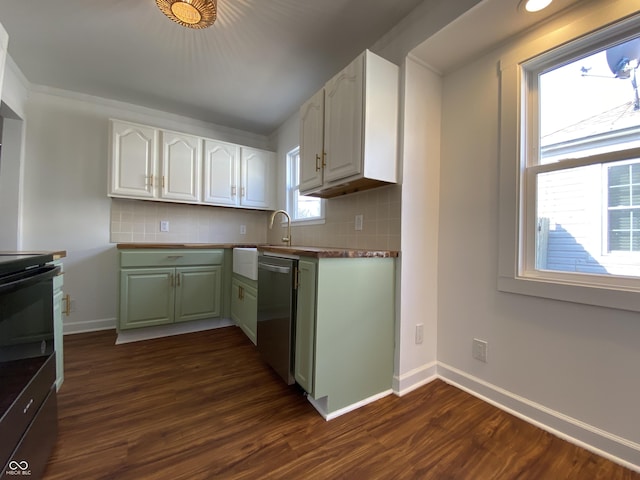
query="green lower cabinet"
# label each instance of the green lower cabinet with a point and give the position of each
(197, 293)
(305, 325)
(345, 329)
(147, 297)
(160, 295)
(244, 306)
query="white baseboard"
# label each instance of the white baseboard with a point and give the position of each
(416, 378)
(600, 442)
(89, 326)
(148, 333)
(321, 405)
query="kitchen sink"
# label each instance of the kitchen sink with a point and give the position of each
(245, 262)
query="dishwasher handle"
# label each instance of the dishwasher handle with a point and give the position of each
(273, 268)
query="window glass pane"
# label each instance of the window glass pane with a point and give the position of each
(583, 102)
(299, 206)
(584, 221)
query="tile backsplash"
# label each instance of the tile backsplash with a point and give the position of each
(381, 211)
(137, 221)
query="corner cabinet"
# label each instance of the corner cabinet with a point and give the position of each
(238, 176)
(148, 163)
(345, 324)
(349, 130)
(159, 287)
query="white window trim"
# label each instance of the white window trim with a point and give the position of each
(290, 201)
(578, 288)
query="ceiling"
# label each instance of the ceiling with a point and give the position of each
(479, 29)
(251, 70)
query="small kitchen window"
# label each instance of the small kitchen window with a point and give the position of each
(570, 128)
(301, 208)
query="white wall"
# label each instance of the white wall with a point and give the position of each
(572, 367)
(64, 192)
(415, 363)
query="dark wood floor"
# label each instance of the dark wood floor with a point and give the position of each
(203, 406)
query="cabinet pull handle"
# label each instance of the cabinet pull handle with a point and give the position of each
(67, 305)
(171, 279)
(241, 293)
(174, 257)
(296, 278)
(242, 191)
(178, 279)
(151, 180)
(162, 181)
(324, 159)
(317, 162)
(233, 190)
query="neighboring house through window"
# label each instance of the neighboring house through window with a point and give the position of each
(577, 162)
(302, 208)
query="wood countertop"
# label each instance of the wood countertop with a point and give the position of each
(328, 252)
(316, 252)
(127, 246)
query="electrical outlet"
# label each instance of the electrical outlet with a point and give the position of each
(243, 229)
(479, 351)
(359, 221)
(419, 333)
(164, 225)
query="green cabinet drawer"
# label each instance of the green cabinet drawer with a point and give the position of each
(170, 258)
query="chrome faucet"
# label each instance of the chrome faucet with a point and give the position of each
(286, 239)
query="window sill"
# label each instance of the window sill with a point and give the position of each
(311, 221)
(586, 294)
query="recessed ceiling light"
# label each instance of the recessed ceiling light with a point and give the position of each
(534, 5)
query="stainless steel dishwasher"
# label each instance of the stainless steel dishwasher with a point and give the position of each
(276, 313)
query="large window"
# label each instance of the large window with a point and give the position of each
(302, 208)
(576, 139)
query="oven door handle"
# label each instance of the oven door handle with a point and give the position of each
(43, 273)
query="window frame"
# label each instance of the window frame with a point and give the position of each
(293, 192)
(519, 141)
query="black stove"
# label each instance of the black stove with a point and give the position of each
(16, 262)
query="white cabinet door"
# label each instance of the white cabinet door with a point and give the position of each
(256, 167)
(180, 167)
(343, 119)
(221, 161)
(133, 160)
(312, 142)
(4, 41)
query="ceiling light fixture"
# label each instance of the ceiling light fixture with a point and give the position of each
(190, 13)
(535, 5)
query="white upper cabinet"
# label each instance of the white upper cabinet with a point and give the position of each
(181, 165)
(343, 122)
(257, 178)
(134, 160)
(221, 162)
(152, 164)
(312, 142)
(359, 131)
(4, 42)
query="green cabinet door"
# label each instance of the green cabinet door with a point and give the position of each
(306, 325)
(244, 307)
(146, 297)
(197, 293)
